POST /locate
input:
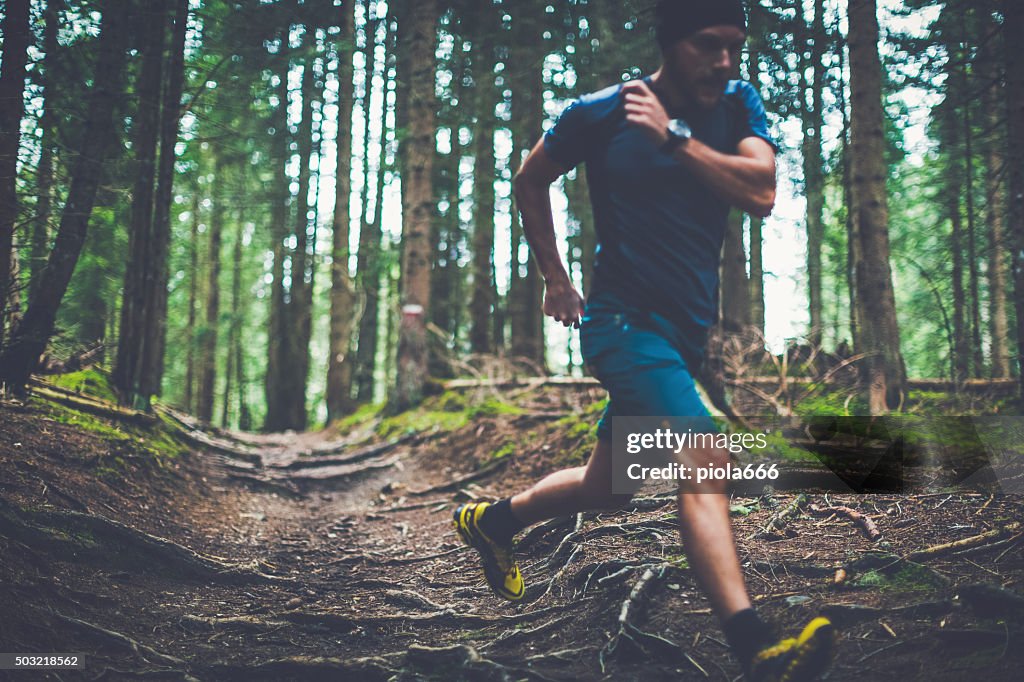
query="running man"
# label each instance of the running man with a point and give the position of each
(666, 157)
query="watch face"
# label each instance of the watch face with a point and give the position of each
(679, 128)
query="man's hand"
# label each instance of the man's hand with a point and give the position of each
(563, 302)
(643, 109)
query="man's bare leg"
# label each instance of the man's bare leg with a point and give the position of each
(571, 490)
(704, 524)
(707, 535)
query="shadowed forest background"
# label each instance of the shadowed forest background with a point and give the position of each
(229, 204)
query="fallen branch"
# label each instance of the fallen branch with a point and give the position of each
(781, 518)
(865, 523)
(965, 543)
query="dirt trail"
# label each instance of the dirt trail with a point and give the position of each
(323, 555)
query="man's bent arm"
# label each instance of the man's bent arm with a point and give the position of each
(745, 179)
(532, 187)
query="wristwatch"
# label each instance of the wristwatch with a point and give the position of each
(678, 133)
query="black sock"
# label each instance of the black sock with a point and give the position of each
(499, 522)
(747, 634)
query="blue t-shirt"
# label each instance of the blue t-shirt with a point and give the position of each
(659, 228)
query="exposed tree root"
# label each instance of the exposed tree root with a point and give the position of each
(468, 478)
(806, 570)
(848, 615)
(346, 623)
(866, 524)
(139, 649)
(268, 484)
(511, 636)
(542, 529)
(92, 406)
(334, 459)
(397, 561)
(410, 507)
(328, 474)
(628, 633)
(102, 535)
(408, 598)
(370, 668)
(192, 433)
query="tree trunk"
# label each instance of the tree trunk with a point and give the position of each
(193, 293)
(235, 325)
(977, 362)
(853, 256)
(884, 370)
(369, 263)
(302, 264)
(735, 289)
(814, 179)
(417, 200)
(136, 314)
(40, 241)
(208, 343)
(157, 277)
(1013, 28)
(280, 326)
(482, 303)
(16, 38)
(950, 122)
(20, 356)
(340, 361)
(995, 204)
(961, 355)
(526, 293)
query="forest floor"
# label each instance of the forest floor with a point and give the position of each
(332, 555)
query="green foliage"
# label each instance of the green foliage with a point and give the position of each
(744, 509)
(504, 451)
(777, 447)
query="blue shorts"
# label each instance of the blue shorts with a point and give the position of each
(644, 362)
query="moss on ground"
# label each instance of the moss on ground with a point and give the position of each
(447, 412)
(907, 576)
(94, 383)
(155, 444)
(365, 414)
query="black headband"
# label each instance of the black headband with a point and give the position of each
(677, 19)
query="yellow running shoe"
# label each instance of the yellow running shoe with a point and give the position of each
(500, 568)
(797, 659)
